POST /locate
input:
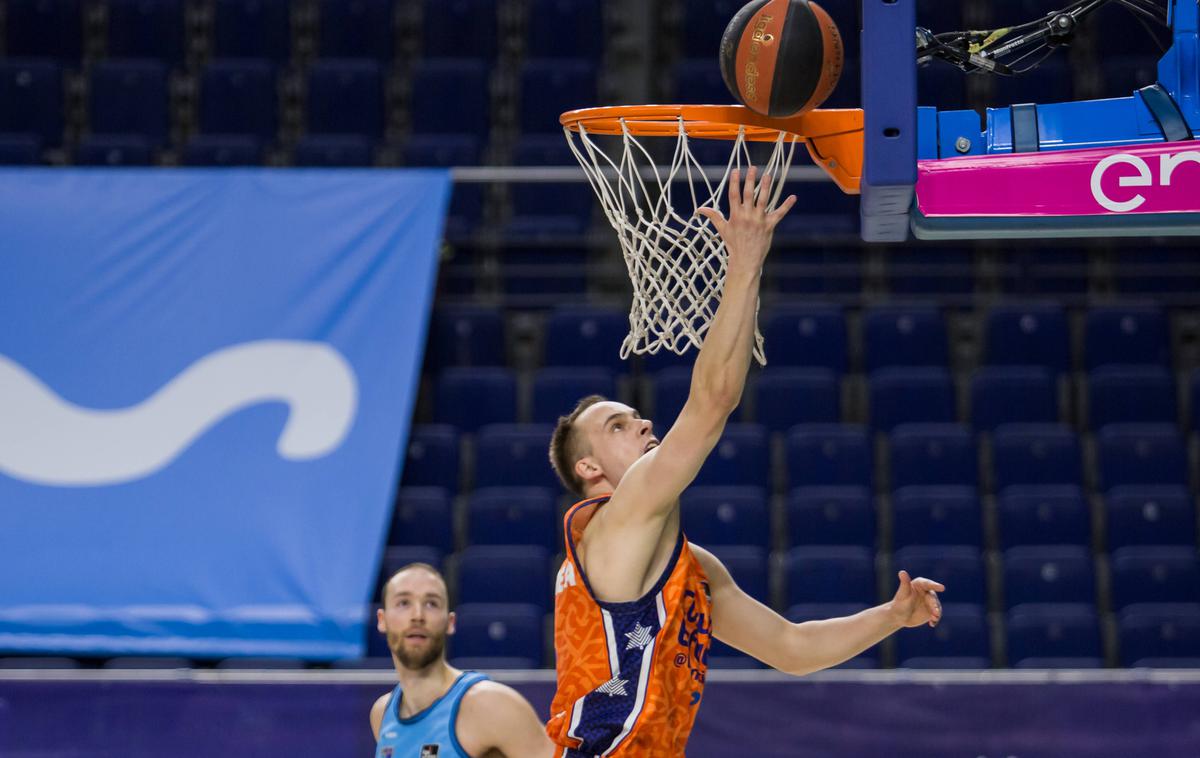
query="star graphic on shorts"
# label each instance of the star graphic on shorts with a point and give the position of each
(614, 687)
(639, 637)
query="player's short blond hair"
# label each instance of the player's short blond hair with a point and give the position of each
(566, 445)
(410, 567)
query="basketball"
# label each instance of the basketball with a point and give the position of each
(781, 57)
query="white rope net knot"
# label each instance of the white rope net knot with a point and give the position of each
(676, 259)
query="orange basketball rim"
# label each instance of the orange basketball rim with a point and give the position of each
(834, 136)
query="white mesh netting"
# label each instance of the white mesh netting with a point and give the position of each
(675, 257)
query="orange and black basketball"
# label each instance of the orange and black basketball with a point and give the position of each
(781, 57)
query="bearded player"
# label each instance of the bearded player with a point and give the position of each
(635, 604)
(437, 711)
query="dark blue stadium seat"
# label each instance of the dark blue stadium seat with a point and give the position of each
(397, 557)
(565, 29)
(513, 516)
(1047, 514)
(830, 574)
(1035, 454)
(829, 454)
(722, 656)
(1131, 394)
(931, 271)
(238, 97)
(653, 363)
(668, 392)
(867, 659)
(514, 455)
(960, 567)
(328, 151)
(907, 395)
(1040, 271)
(586, 336)
(747, 564)
(1147, 269)
(1048, 574)
(1140, 454)
(903, 335)
(1155, 575)
(251, 29)
(443, 150)
(705, 22)
(810, 269)
(557, 390)
(540, 278)
(505, 574)
(825, 211)
(1162, 515)
(355, 29)
(115, 150)
(450, 97)
(1028, 334)
(840, 515)
(698, 81)
(947, 662)
(933, 515)
(1155, 631)
(473, 397)
(140, 29)
(499, 631)
(432, 457)
(345, 97)
(1131, 334)
(550, 87)
(41, 29)
(222, 150)
(465, 335)
(961, 634)
(1070, 662)
(377, 645)
(20, 149)
(742, 457)
(541, 210)
(785, 397)
(1012, 394)
(726, 516)
(809, 335)
(933, 454)
(459, 29)
(129, 97)
(31, 100)
(1053, 630)
(423, 516)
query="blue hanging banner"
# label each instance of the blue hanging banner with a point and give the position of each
(206, 382)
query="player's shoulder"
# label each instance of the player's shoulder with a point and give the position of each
(488, 696)
(378, 709)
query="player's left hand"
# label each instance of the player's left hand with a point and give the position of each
(916, 601)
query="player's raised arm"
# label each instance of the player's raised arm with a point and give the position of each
(746, 624)
(653, 484)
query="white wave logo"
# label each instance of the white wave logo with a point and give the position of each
(47, 440)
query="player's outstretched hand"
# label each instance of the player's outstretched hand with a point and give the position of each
(916, 601)
(748, 230)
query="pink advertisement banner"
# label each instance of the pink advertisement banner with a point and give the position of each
(1109, 181)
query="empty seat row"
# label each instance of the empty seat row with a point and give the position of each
(263, 29)
(816, 335)
(1159, 515)
(837, 455)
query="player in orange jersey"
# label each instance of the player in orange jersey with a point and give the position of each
(635, 604)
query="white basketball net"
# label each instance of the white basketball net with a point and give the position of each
(676, 262)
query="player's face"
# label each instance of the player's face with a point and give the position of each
(618, 436)
(416, 618)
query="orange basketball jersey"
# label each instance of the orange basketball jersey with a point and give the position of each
(630, 675)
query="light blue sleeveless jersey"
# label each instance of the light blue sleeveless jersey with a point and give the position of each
(430, 733)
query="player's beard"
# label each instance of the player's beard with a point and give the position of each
(415, 660)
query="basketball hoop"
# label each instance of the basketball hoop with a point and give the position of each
(675, 257)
